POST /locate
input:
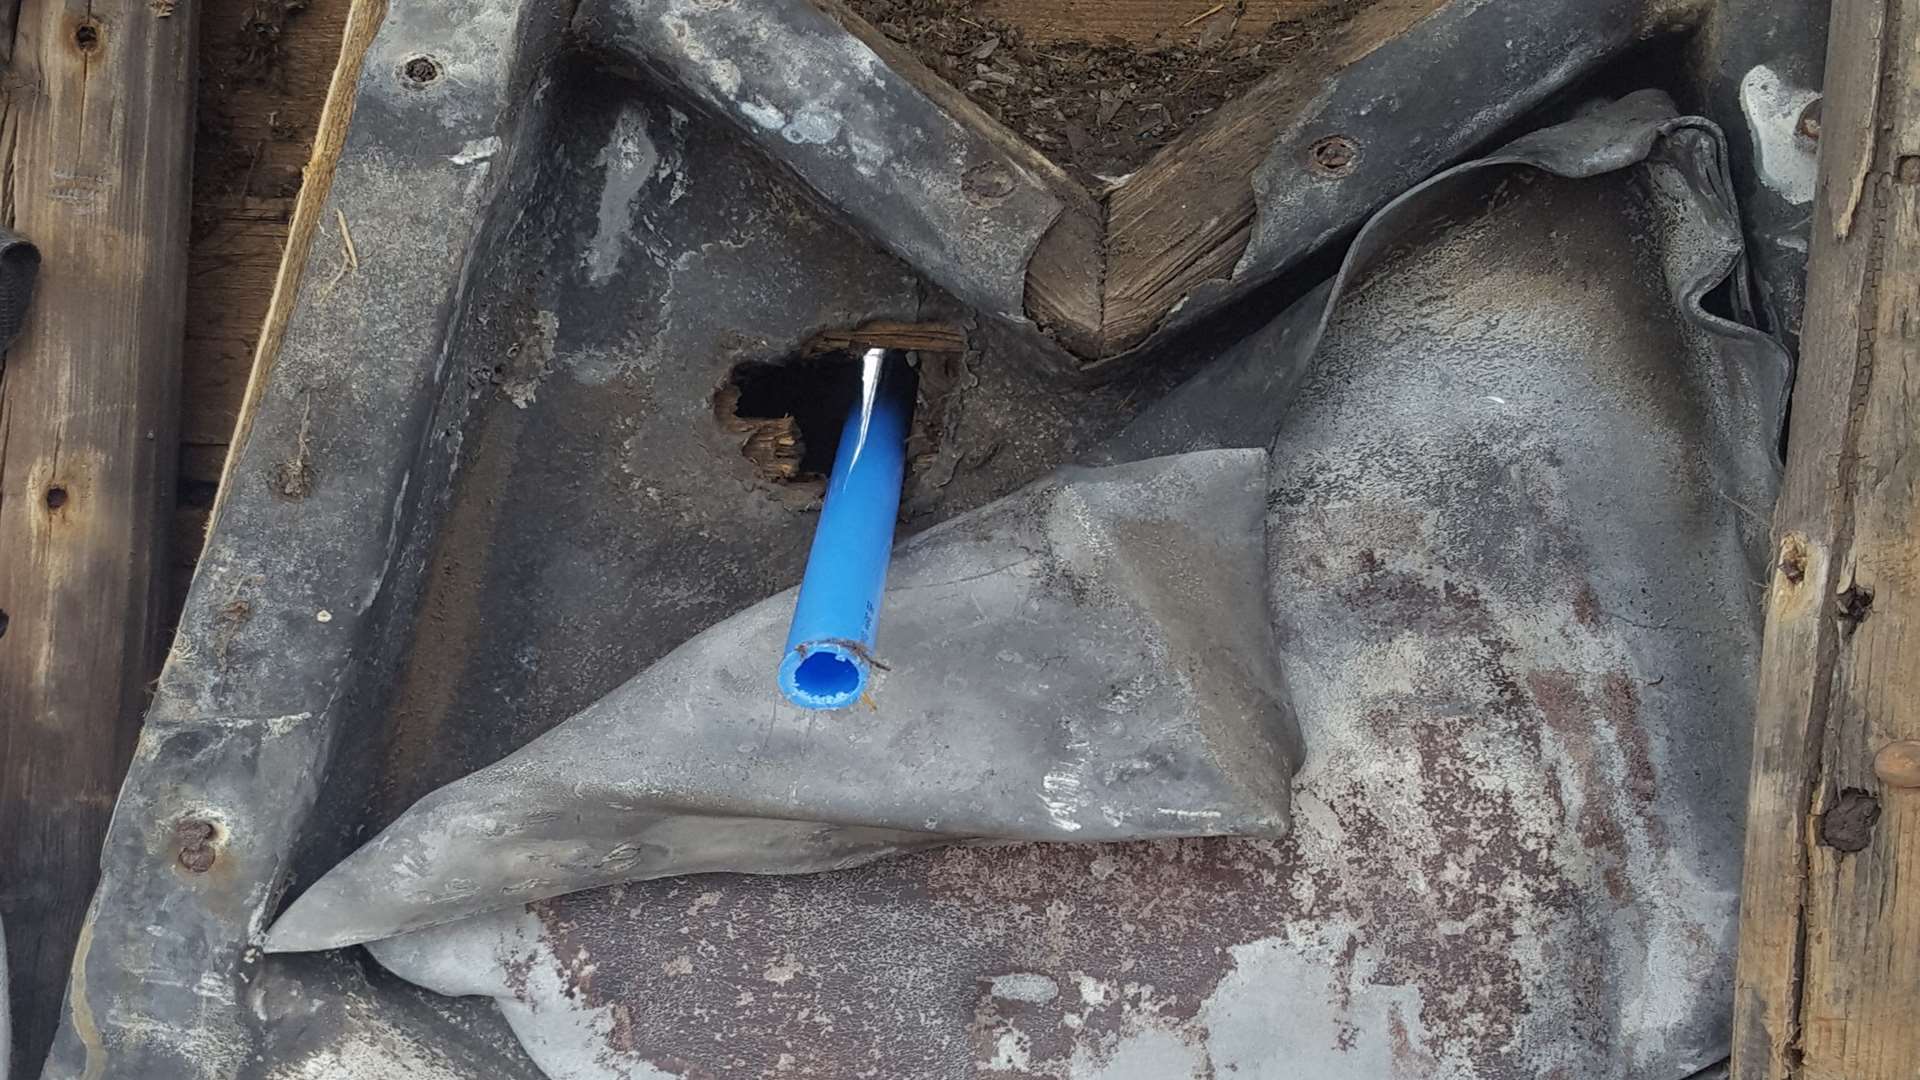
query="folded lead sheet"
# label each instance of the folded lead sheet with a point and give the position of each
(1086, 659)
(1517, 490)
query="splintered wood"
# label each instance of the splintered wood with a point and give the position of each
(1828, 986)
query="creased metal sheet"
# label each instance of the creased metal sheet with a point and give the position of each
(304, 555)
(1087, 659)
(1519, 479)
(1420, 102)
(1764, 66)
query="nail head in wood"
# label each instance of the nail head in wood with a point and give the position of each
(1898, 764)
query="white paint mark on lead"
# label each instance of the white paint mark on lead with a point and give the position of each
(477, 150)
(629, 160)
(1025, 986)
(813, 124)
(1787, 159)
(1062, 799)
(763, 114)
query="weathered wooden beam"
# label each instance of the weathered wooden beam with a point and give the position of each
(1187, 216)
(97, 131)
(1828, 986)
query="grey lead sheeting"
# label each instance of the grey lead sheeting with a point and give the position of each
(1517, 486)
(1471, 69)
(1086, 659)
(816, 98)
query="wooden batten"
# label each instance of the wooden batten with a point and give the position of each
(1828, 982)
(97, 129)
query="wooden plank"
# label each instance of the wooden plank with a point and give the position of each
(1063, 277)
(1828, 984)
(1116, 263)
(890, 334)
(1187, 217)
(361, 21)
(97, 128)
(1066, 280)
(266, 65)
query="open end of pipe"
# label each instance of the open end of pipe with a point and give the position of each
(823, 676)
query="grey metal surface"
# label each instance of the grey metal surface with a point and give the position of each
(1418, 103)
(323, 1019)
(1085, 660)
(1763, 64)
(487, 454)
(271, 646)
(933, 191)
(1517, 499)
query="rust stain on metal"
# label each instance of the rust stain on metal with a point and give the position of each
(1586, 606)
(196, 839)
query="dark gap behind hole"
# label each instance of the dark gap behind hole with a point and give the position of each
(817, 391)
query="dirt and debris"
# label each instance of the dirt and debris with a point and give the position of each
(1100, 109)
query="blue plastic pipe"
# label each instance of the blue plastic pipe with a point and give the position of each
(829, 656)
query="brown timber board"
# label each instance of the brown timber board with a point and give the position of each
(95, 124)
(1187, 98)
(265, 69)
(1828, 983)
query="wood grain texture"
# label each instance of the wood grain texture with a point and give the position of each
(97, 130)
(1187, 217)
(266, 65)
(1063, 277)
(890, 334)
(1828, 985)
(1117, 262)
(1066, 280)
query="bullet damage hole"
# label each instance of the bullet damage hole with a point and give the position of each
(1333, 155)
(1848, 824)
(787, 415)
(791, 413)
(198, 840)
(56, 497)
(1852, 607)
(421, 70)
